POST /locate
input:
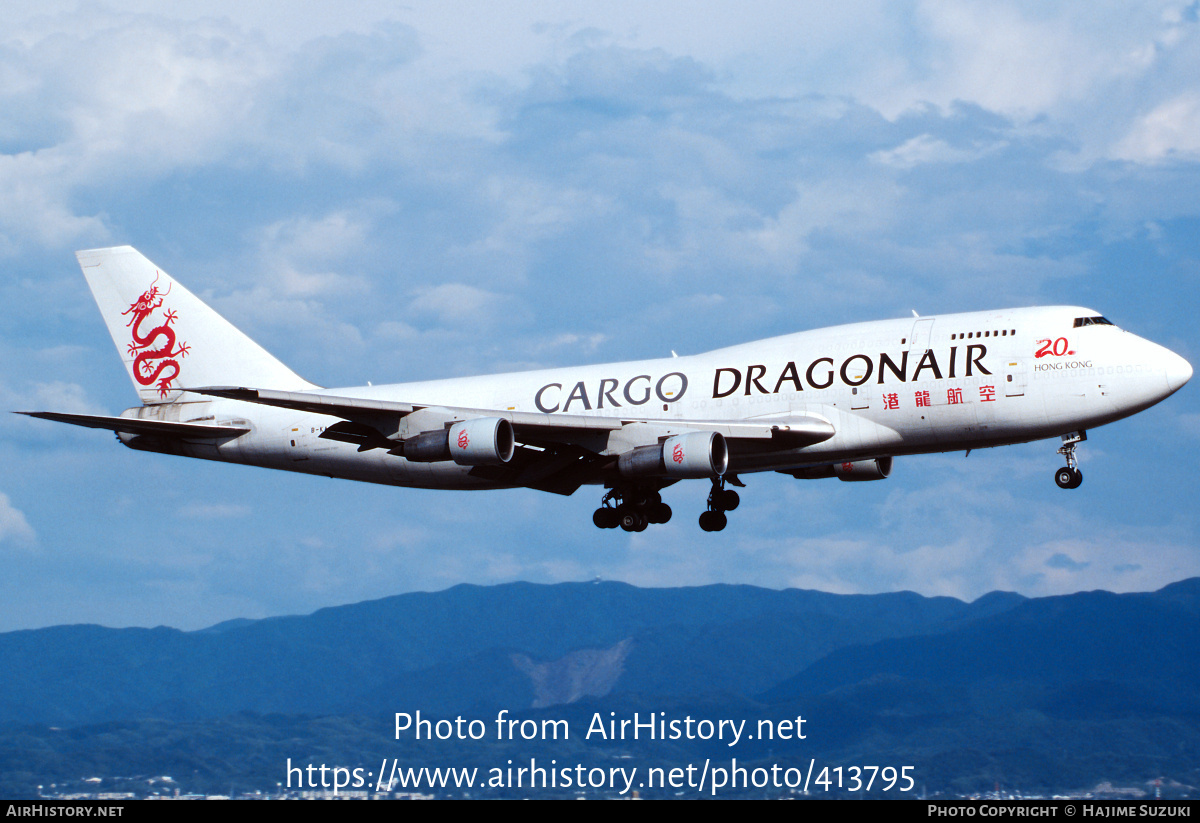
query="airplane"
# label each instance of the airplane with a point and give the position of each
(835, 402)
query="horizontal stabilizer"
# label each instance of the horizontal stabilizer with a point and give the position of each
(130, 425)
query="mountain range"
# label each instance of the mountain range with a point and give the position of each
(1044, 692)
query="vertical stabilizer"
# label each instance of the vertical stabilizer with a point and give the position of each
(170, 339)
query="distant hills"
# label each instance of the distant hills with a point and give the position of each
(1092, 652)
(513, 646)
(1049, 693)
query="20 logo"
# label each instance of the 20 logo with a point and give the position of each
(1057, 348)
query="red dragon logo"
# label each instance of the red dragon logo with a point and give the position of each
(677, 453)
(462, 439)
(145, 370)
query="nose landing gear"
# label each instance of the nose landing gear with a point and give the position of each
(1069, 476)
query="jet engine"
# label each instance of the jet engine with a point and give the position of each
(484, 441)
(697, 454)
(877, 469)
(855, 470)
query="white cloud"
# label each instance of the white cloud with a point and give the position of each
(1008, 58)
(35, 206)
(374, 201)
(394, 330)
(523, 213)
(55, 395)
(586, 343)
(1170, 132)
(923, 149)
(14, 528)
(295, 328)
(322, 238)
(213, 511)
(1127, 562)
(293, 283)
(458, 303)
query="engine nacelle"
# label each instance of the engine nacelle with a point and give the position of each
(877, 469)
(485, 441)
(696, 454)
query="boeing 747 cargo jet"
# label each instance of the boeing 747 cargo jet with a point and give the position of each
(837, 402)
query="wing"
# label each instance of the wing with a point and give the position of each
(557, 452)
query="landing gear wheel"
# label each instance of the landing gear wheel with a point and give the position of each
(659, 514)
(631, 518)
(626, 516)
(726, 500)
(720, 500)
(1068, 478)
(605, 518)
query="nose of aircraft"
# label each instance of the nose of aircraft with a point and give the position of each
(1179, 371)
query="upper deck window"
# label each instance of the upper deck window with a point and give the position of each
(1092, 321)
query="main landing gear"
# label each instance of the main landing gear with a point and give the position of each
(1069, 476)
(720, 500)
(633, 509)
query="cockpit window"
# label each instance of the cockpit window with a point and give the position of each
(1092, 321)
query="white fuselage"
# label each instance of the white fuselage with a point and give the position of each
(891, 387)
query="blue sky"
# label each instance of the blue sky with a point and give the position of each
(391, 193)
